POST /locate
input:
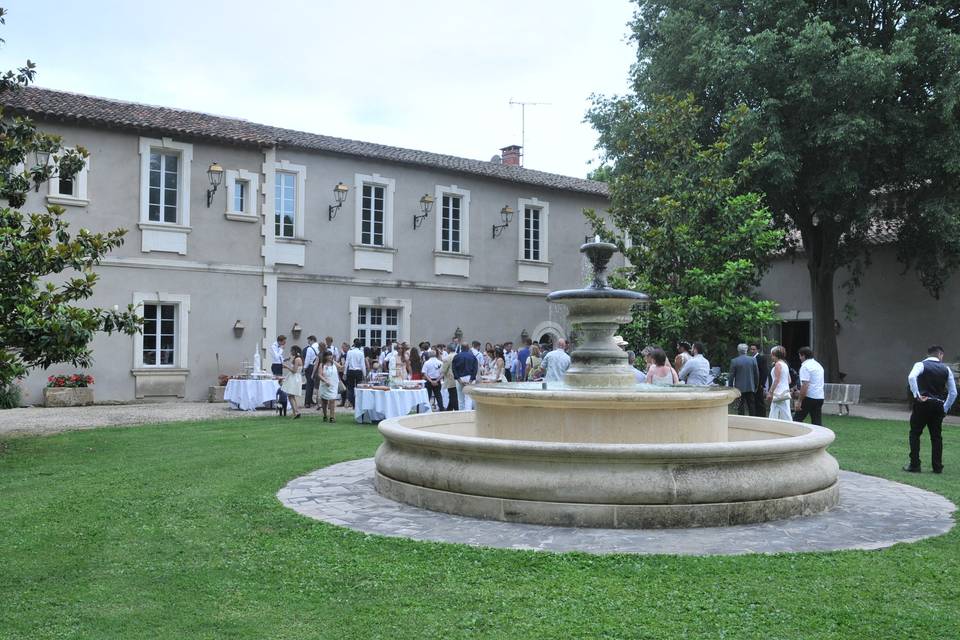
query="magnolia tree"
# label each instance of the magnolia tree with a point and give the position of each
(697, 241)
(44, 270)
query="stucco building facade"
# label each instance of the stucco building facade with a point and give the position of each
(882, 328)
(218, 282)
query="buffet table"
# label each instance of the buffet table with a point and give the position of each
(373, 405)
(248, 395)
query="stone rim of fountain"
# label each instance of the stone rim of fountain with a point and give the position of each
(602, 451)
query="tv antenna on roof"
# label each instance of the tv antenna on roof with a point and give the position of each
(523, 123)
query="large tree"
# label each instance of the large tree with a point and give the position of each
(859, 105)
(43, 270)
(699, 243)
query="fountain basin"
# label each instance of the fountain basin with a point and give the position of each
(765, 470)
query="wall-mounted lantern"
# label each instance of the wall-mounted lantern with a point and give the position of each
(295, 330)
(458, 334)
(426, 206)
(42, 157)
(506, 214)
(339, 195)
(238, 328)
(524, 336)
(215, 175)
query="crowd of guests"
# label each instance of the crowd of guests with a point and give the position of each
(323, 373)
(763, 381)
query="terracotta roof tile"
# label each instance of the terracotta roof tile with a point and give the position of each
(93, 111)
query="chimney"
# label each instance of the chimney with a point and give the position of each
(511, 154)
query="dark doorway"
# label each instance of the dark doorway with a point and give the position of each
(793, 335)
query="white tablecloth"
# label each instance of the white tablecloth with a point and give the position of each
(373, 405)
(250, 394)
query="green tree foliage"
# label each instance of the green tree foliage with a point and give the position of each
(43, 270)
(700, 244)
(859, 104)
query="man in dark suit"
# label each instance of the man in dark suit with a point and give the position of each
(744, 375)
(763, 369)
(465, 369)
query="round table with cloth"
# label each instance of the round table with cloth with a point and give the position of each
(373, 405)
(248, 395)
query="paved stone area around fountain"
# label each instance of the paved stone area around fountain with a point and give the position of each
(873, 513)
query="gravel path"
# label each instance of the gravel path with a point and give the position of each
(43, 421)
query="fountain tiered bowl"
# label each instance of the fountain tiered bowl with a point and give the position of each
(600, 450)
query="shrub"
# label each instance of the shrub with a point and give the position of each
(10, 396)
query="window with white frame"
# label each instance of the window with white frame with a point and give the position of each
(532, 226)
(242, 187)
(72, 190)
(373, 220)
(285, 204)
(159, 334)
(163, 342)
(453, 224)
(164, 186)
(165, 182)
(450, 223)
(377, 325)
(372, 215)
(241, 195)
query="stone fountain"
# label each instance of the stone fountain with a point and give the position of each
(600, 450)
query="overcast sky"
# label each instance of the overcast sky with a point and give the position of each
(422, 74)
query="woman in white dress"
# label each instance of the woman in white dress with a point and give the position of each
(293, 383)
(659, 372)
(779, 395)
(329, 387)
(497, 364)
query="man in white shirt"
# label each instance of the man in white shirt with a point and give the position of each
(309, 361)
(449, 382)
(810, 400)
(276, 355)
(433, 373)
(934, 392)
(696, 370)
(475, 349)
(555, 364)
(509, 360)
(356, 370)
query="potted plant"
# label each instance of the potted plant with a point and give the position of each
(215, 394)
(73, 390)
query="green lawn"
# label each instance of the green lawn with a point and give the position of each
(173, 531)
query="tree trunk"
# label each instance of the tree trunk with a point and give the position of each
(824, 317)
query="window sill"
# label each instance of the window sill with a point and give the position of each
(164, 226)
(241, 217)
(67, 201)
(452, 254)
(159, 370)
(374, 248)
(285, 240)
(535, 263)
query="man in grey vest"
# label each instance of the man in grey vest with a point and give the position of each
(934, 391)
(744, 375)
